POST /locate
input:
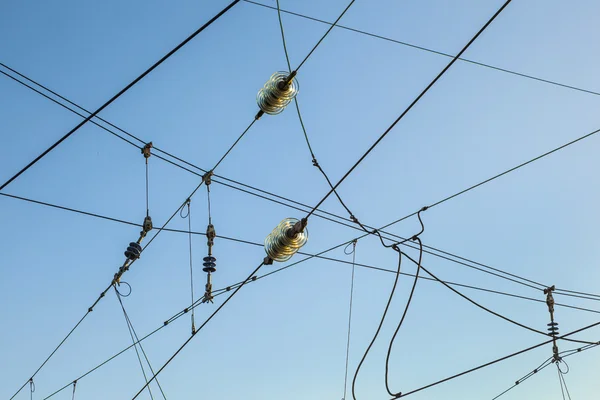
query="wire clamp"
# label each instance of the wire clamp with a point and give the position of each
(207, 178)
(146, 150)
(147, 226)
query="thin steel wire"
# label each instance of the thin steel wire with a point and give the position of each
(349, 317)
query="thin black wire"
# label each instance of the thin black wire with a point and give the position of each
(412, 291)
(139, 343)
(147, 191)
(543, 365)
(133, 340)
(54, 351)
(199, 329)
(498, 360)
(296, 103)
(387, 306)
(223, 291)
(122, 91)
(269, 193)
(251, 187)
(147, 244)
(561, 376)
(485, 308)
(561, 383)
(189, 217)
(415, 101)
(302, 253)
(325, 35)
(349, 316)
(429, 50)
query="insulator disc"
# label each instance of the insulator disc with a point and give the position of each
(279, 246)
(274, 96)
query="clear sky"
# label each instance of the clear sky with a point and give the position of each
(285, 336)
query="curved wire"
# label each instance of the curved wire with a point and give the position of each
(379, 327)
(412, 291)
(487, 309)
(119, 292)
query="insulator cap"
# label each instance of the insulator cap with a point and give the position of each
(209, 264)
(134, 250)
(280, 246)
(276, 95)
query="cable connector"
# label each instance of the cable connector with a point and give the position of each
(147, 226)
(146, 150)
(207, 178)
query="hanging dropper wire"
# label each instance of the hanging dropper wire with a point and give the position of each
(353, 252)
(189, 218)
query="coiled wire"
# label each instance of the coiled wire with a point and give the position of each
(281, 247)
(276, 95)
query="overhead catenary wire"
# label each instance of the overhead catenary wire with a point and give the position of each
(429, 50)
(559, 291)
(135, 340)
(121, 92)
(233, 286)
(411, 105)
(198, 330)
(485, 308)
(302, 253)
(471, 370)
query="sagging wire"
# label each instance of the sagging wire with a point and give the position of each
(282, 87)
(353, 252)
(137, 342)
(395, 247)
(315, 163)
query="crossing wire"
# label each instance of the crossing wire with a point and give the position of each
(429, 50)
(564, 291)
(526, 350)
(301, 253)
(411, 105)
(121, 92)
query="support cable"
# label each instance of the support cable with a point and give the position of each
(415, 101)
(487, 309)
(559, 291)
(528, 349)
(133, 340)
(199, 329)
(429, 50)
(302, 253)
(121, 92)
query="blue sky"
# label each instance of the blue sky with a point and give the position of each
(285, 336)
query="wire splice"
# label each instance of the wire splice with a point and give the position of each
(286, 239)
(276, 94)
